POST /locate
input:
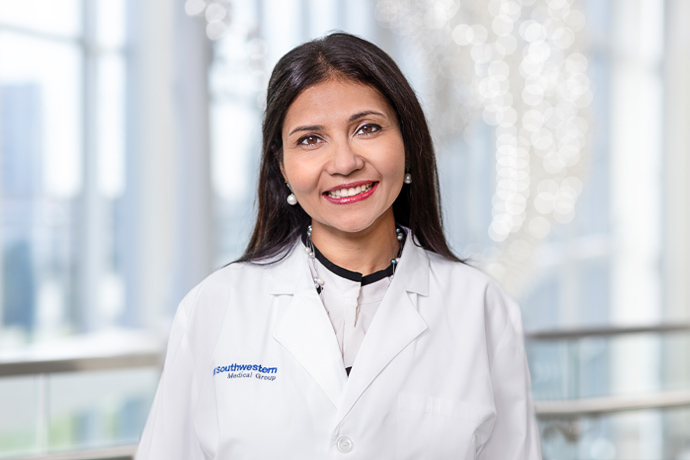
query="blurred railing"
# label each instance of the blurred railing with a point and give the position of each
(110, 453)
(114, 368)
(41, 366)
(581, 410)
(580, 333)
(563, 416)
(590, 407)
(597, 406)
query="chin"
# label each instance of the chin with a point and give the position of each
(352, 226)
(354, 221)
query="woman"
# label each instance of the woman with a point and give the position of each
(348, 328)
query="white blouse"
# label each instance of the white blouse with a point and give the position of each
(351, 301)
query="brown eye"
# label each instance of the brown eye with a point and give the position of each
(309, 140)
(369, 129)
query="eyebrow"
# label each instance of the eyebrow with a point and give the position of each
(306, 128)
(352, 118)
(364, 114)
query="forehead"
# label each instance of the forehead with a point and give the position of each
(334, 99)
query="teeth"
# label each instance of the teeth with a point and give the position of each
(352, 191)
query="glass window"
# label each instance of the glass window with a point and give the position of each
(60, 274)
(19, 432)
(58, 17)
(63, 143)
(40, 93)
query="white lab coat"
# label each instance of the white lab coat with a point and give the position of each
(441, 373)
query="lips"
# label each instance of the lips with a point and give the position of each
(349, 193)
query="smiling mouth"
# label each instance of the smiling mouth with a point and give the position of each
(350, 192)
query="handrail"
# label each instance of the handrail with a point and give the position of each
(606, 405)
(605, 331)
(110, 453)
(84, 363)
(151, 353)
(111, 350)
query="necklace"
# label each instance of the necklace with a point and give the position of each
(311, 253)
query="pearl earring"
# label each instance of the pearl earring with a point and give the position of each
(408, 178)
(291, 198)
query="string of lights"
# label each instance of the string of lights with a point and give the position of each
(520, 66)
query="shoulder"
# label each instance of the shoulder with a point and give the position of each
(235, 275)
(461, 275)
(237, 278)
(229, 294)
(244, 283)
(468, 289)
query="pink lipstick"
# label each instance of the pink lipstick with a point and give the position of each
(333, 195)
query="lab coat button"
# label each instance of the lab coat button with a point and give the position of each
(344, 444)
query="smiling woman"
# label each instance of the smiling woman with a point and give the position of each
(379, 340)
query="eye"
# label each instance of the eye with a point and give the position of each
(308, 140)
(369, 129)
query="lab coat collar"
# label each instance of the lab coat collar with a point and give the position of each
(413, 267)
(288, 275)
(305, 330)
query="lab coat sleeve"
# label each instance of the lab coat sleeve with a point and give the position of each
(515, 435)
(169, 433)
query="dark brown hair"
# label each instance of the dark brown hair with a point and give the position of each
(347, 57)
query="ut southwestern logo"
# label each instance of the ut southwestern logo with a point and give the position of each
(243, 371)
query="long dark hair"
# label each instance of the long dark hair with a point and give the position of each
(347, 57)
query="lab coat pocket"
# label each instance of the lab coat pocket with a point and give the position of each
(435, 428)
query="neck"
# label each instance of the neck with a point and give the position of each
(365, 252)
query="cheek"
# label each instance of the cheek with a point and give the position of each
(396, 161)
(301, 177)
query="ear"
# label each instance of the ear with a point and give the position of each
(282, 170)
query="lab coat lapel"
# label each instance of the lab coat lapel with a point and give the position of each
(397, 323)
(304, 329)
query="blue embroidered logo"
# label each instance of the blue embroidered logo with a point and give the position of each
(238, 371)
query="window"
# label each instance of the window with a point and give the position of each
(63, 83)
(62, 95)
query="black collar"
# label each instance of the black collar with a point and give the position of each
(350, 275)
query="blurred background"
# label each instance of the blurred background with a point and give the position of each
(129, 147)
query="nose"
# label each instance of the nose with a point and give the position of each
(344, 159)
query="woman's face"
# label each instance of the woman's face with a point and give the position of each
(343, 156)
